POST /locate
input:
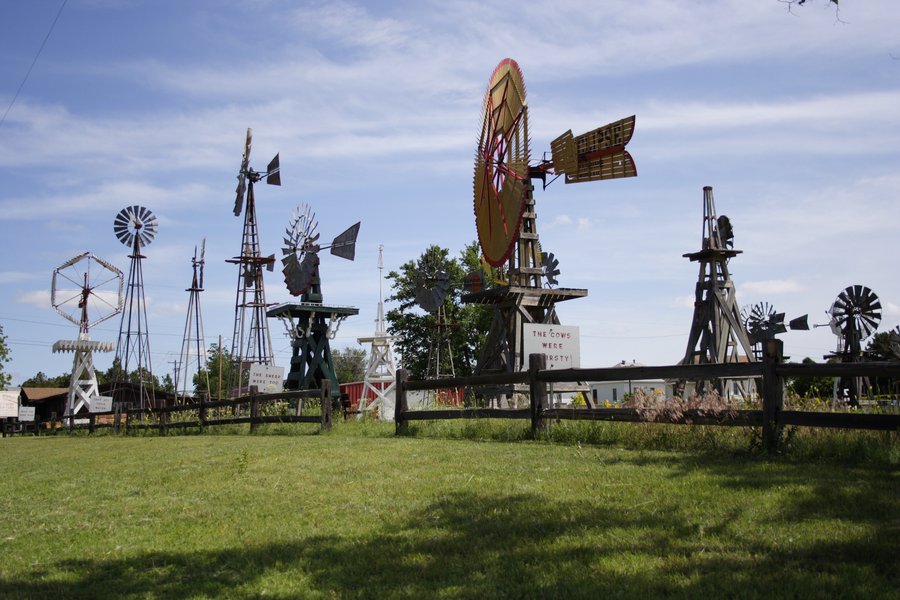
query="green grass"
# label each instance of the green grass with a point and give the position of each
(359, 513)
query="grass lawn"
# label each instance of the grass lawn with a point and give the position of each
(359, 513)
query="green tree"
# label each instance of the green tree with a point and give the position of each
(414, 329)
(4, 358)
(215, 357)
(41, 380)
(811, 387)
(349, 364)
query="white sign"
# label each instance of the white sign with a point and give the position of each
(268, 379)
(26, 413)
(9, 404)
(561, 344)
(101, 404)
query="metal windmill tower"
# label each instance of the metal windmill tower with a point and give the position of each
(135, 226)
(717, 331)
(192, 359)
(381, 370)
(251, 341)
(431, 291)
(311, 323)
(505, 214)
(85, 290)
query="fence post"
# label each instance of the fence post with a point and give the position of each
(401, 406)
(326, 405)
(773, 394)
(254, 408)
(163, 417)
(91, 423)
(538, 395)
(201, 413)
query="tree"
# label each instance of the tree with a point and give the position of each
(811, 387)
(215, 357)
(414, 329)
(4, 358)
(41, 380)
(349, 364)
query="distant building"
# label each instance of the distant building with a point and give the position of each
(615, 392)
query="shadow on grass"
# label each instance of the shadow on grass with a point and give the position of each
(471, 545)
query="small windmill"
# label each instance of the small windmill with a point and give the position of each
(505, 215)
(251, 341)
(191, 362)
(135, 226)
(855, 315)
(762, 323)
(86, 290)
(310, 323)
(381, 371)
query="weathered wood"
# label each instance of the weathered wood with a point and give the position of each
(705, 371)
(861, 369)
(538, 395)
(401, 408)
(739, 418)
(840, 420)
(466, 413)
(254, 408)
(201, 412)
(473, 381)
(326, 404)
(772, 394)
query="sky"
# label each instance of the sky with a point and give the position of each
(793, 117)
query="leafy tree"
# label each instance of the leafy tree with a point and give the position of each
(212, 368)
(414, 329)
(41, 380)
(883, 347)
(811, 387)
(349, 364)
(4, 358)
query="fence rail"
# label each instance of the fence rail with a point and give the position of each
(771, 371)
(160, 418)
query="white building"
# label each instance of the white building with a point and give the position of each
(614, 392)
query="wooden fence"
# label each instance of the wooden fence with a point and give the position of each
(162, 419)
(771, 371)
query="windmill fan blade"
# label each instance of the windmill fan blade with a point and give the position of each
(801, 323)
(344, 245)
(274, 172)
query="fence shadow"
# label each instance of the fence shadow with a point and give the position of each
(477, 545)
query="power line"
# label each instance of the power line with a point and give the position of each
(33, 62)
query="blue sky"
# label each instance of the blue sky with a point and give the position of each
(794, 119)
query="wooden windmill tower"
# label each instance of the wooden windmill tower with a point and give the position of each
(505, 213)
(717, 330)
(381, 370)
(86, 290)
(311, 323)
(251, 342)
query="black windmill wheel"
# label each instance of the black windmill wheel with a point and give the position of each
(431, 289)
(135, 226)
(857, 310)
(300, 251)
(550, 267)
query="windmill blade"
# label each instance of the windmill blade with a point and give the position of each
(344, 245)
(273, 172)
(202, 261)
(550, 266)
(242, 174)
(800, 323)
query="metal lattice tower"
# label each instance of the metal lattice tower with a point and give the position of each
(381, 369)
(717, 332)
(192, 360)
(135, 226)
(251, 341)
